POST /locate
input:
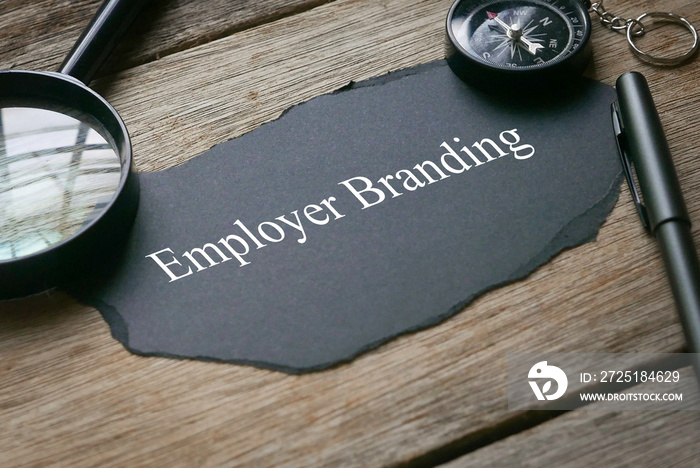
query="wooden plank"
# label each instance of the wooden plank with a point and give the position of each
(72, 396)
(36, 35)
(594, 437)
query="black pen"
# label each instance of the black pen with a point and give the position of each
(643, 147)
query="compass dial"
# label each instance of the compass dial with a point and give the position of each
(504, 42)
(516, 35)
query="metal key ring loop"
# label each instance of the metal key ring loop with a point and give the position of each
(657, 59)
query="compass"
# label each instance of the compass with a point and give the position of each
(516, 44)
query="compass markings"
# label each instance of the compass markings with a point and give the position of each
(504, 33)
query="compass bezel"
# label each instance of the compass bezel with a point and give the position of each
(472, 68)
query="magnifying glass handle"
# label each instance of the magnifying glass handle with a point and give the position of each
(99, 38)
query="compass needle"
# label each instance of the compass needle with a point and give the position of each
(531, 46)
(547, 42)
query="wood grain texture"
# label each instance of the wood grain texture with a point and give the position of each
(37, 34)
(71, 395)
(595, 437)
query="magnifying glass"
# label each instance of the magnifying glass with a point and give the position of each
(68, 189)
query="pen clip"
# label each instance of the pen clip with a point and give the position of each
(627, 165)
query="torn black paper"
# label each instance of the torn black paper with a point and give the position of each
(353, 274)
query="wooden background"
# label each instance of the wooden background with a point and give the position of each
(193, 74)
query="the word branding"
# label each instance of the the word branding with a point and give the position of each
(237, 245)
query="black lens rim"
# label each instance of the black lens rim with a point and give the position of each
(98, 242)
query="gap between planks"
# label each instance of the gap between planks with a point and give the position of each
(432, 411)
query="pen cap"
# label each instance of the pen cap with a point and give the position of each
(648, 151)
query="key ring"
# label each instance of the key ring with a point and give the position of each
(635, 27)
(659, 59)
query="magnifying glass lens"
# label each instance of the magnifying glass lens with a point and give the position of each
(68, 188)
(58, 172)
